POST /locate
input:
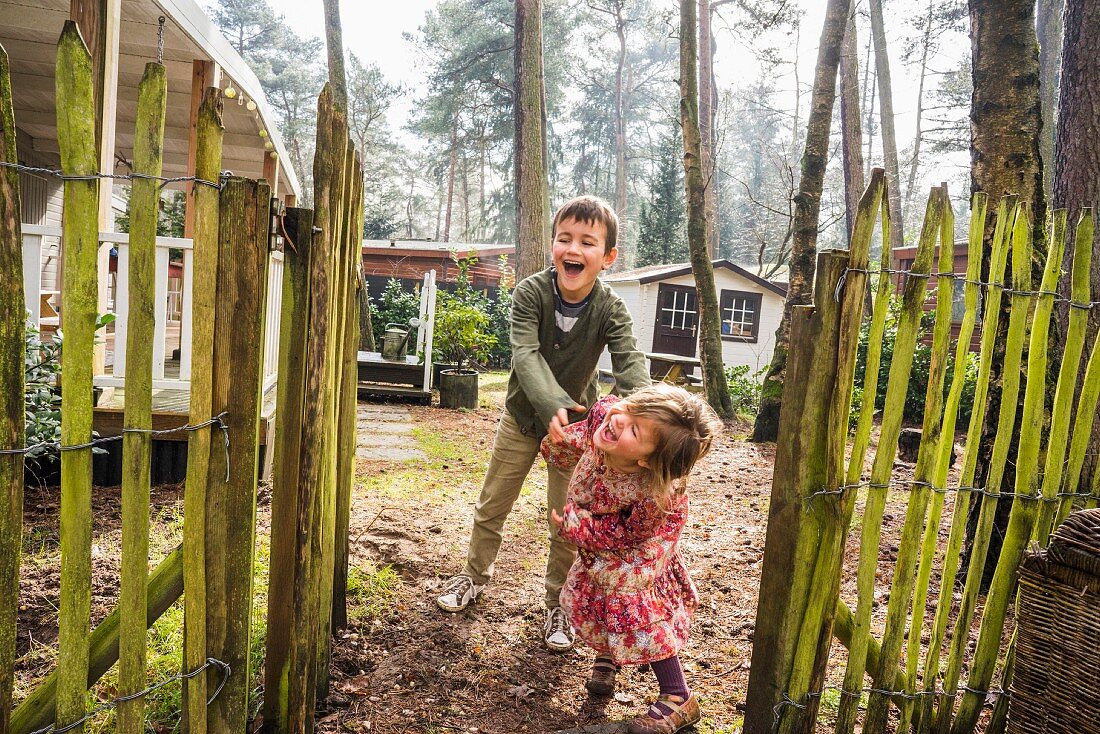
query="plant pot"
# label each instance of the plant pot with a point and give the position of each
(438, 367)
(458, 389)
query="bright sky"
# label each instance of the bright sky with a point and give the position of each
(373, 31)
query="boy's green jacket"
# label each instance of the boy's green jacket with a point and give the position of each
(552, 370)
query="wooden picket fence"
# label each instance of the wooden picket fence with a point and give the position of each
(911, 678)
(315, 441)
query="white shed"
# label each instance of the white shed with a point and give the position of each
(664, 303)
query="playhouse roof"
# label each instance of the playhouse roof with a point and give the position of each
(654, 273)
(30, 32)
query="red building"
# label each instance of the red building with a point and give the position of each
(408, 260)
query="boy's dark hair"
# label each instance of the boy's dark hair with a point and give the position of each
(590, 209)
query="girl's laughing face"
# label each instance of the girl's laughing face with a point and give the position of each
(627, 441)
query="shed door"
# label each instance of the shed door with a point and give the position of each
(677, 321)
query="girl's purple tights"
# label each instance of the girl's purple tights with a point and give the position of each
(670, 678)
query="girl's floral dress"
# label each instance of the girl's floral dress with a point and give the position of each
(628, 593)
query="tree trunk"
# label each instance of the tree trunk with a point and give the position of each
(886, 120)
(1077, 152)
(915, 160)
(807, 211)
(1005, 125)
(850, 127)
(710, 333)
(530, 124)
(451, 179)
(708, 106)
(1048, 28)
(620, 121)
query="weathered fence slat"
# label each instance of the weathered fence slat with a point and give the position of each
(834, 511)
(1002, 234)
(339, 175)
(311, 465)
(978, 209)
(289, 529)
(209, 133)
(76, 139)
(243, 234)
(1086, 403)
(1024, 511)
(12, 379)
(165, 587)
(905, 567)
(1006, 419)
(347, 395)
(138, 417)
(897, 385)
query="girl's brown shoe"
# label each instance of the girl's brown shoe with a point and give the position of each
(602, 680)
(682, 714)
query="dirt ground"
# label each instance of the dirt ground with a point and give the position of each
(405, 666)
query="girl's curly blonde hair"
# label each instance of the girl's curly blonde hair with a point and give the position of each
(685, 426)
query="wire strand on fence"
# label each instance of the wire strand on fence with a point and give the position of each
(224, 667)
(1058, 297)
(912, 483)
(55, 446)
(165, 180)
(787, 702)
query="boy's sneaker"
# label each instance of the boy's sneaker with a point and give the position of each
(556, 631)
(458, 593)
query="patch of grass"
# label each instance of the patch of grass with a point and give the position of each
(371, 589)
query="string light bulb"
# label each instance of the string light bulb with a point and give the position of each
(263, 133)
(229, 92)
(269, 145)
(251, 105)
(274, 155)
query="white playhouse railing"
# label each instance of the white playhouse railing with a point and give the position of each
(115, 300)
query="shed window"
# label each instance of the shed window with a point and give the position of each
(740, 312)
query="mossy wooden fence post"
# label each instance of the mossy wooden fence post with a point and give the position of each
(138, 417)
(209, 133)
(12, 381)
(789, 561)
(290, 528)
(76, 138)
(312, 461)
(237, 390)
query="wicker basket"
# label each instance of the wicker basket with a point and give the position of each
(1056, 686)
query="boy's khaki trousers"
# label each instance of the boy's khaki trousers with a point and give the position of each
(513, 455)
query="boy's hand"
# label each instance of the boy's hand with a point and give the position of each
(556, 430)
(556, 520)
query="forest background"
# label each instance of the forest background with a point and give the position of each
(431, 108)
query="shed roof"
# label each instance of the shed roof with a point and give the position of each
(30, 31)
(654, 273)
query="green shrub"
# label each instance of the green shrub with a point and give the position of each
(461, 332)
(745, 388)
(396, 306)
(918, 379)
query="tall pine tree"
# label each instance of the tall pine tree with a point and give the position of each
(662, 237)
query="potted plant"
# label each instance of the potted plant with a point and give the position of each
(462, 338)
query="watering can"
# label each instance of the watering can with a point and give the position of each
(396, 340)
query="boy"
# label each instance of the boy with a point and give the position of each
(562, 318)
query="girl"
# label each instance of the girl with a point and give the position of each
(628, 594)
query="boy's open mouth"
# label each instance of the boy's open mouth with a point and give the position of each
(572, 268)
